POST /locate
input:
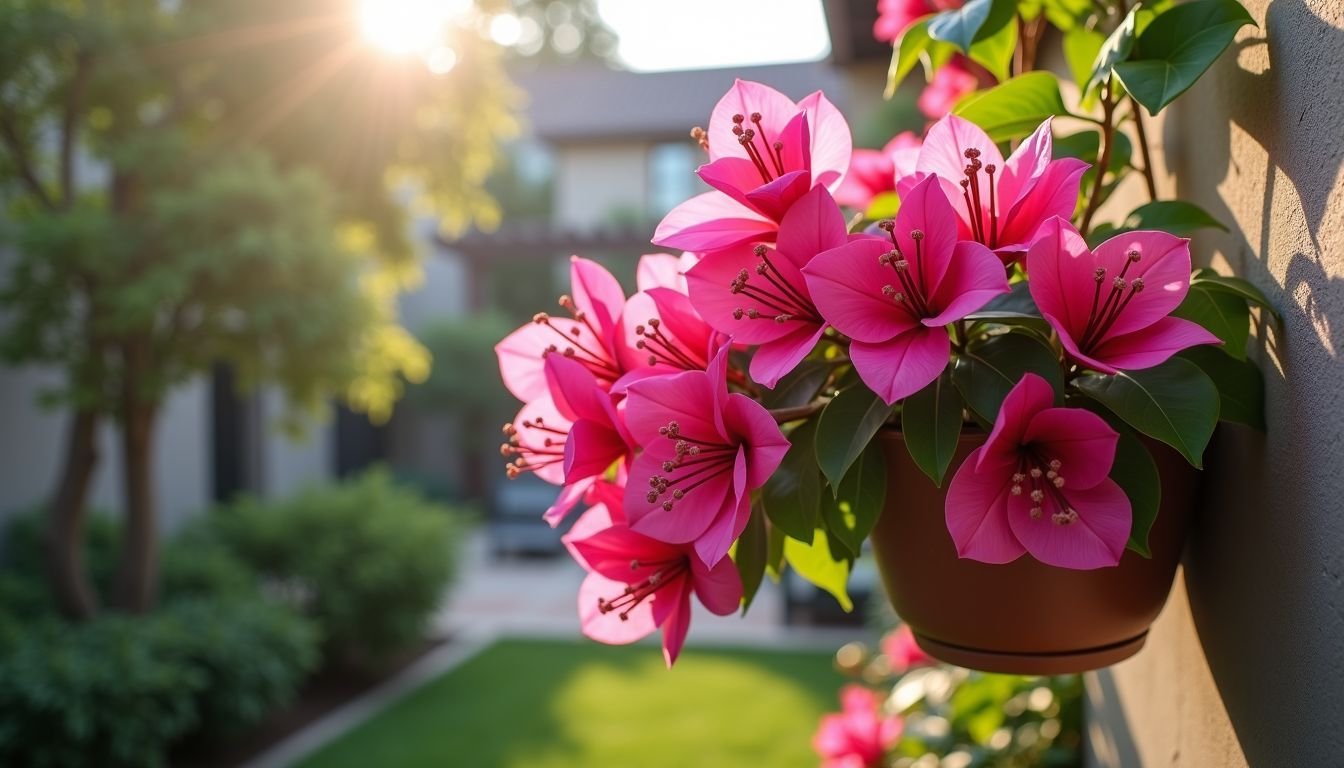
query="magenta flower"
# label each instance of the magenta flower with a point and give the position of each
(1111, 307)
(953, 80)
(1041, 484)
(874, 171)
(894, 298)
(591, 334)
(765, 152)
(663, 331)
(999, 204)
(893, 16)
(704, 451)
(859, 736)
(636, 584)
(758, 295)
(902, 652)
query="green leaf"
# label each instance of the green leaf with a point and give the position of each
(1067, 14)
(997, 39)
(799, 387)
(1115, 50)
(851, 517)
(813, 561)
(774, 552)
(1177, 47)
(1174, 402)
(844, 428)
(1014, 108)
(1235, 286)
(987, 371)
(1174, 216)
(906, 53)
(1136, 474)
(1081, 48)
(1017, 301)
(959, 26)
(1241, 386)
(931, 422)
(1225, 315)
(793, 493)
(749, 555)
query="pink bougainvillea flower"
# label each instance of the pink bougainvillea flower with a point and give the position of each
(591, 334)
(704, 451)
(874, 171)
(859, 735)
(953, 80)
(1111, 307)
(663, 331)
(637, 584)
(757, 294)
(663, 270)
(893, 298)
(765, 152)
(893, 16)
(1040, 484)
(902, 652)
(999, 204)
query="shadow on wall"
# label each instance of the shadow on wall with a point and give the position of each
(1266, 559)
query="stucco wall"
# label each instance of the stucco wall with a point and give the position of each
(1246, 665)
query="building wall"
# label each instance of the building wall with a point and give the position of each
(593, 182)
(1246, 665)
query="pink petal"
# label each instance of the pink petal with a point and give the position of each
(750, 423)
(814, 224)
(1025, 165)
(719, 588)
(679, 317)
(569, 496)
(677, 625)
(1027, 398)
(1164, 265)
(682, 397)
(926, 208)
(773, 200)
(943, 152)
(709, 283)
(520, 360)
(904, 365)
(533, 438)
(689, 517)
(870, 173)
(659, 270)
(795, 152)
(977, 510)
(596, 293)
(831, 140)
(1055, 193)
(591, 449)
(717, 374)
(846, 285)
(712, 546)
(1071, 347)
(1096, 540)
(1152, 345)
(1062, 277)
(610, 551)
(733, 176)
(608, 627)
(710, 221)
(974, 276)
(1081, 440)
(775, 359)
(595, 518)
(744, 98)
(575, 390)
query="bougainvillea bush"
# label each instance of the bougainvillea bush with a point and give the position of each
(720, 422)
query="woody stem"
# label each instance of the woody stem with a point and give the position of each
(1103, 162)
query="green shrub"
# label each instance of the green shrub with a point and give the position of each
(117, 691)
(367, 559)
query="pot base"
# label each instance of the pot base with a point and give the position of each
(1065, 662)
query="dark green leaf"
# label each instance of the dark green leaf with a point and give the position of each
(792, 493)
(987, 371)
(1174, 402)
(774, 551)
(997, 39)
(1223, 314)
(1136, 473)
(851, 517)
(844, 428)
(814, 561)
(1236, 286)
(1174, 216)
(799, 387)
(959, 26)
(931, 421)
(1015, 108)
(1241, 387)
(749, 555)
(1177, 47)
(1017, 301)
(1115, 50)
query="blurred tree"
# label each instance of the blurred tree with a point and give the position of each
(193, 181)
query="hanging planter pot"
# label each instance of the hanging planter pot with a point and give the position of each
(1023, 617)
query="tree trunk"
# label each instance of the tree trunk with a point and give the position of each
(138, 571)
(64, 535)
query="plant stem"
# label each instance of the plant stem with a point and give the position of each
(1103, 162)
(1143, 148)
(785, 415)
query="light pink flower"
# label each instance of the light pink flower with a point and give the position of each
(636, 584)
(704, 451)
(591, 334)
(663, 270)
(902, 652)
(663, 331)
(952, 81)
(1040, 484)
(757, 294)
(893, 16)
(765, 152)
(859, 735)
(1111, 307)
(999, 204)
(873, 171)
(894, 298)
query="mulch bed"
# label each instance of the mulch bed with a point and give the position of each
(325, 692)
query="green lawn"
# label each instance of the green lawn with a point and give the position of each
(546, 704)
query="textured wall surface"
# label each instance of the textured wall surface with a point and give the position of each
(1246, 665)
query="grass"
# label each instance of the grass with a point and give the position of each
(547, 704)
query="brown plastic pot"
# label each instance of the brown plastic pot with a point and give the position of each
(1023, 617)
